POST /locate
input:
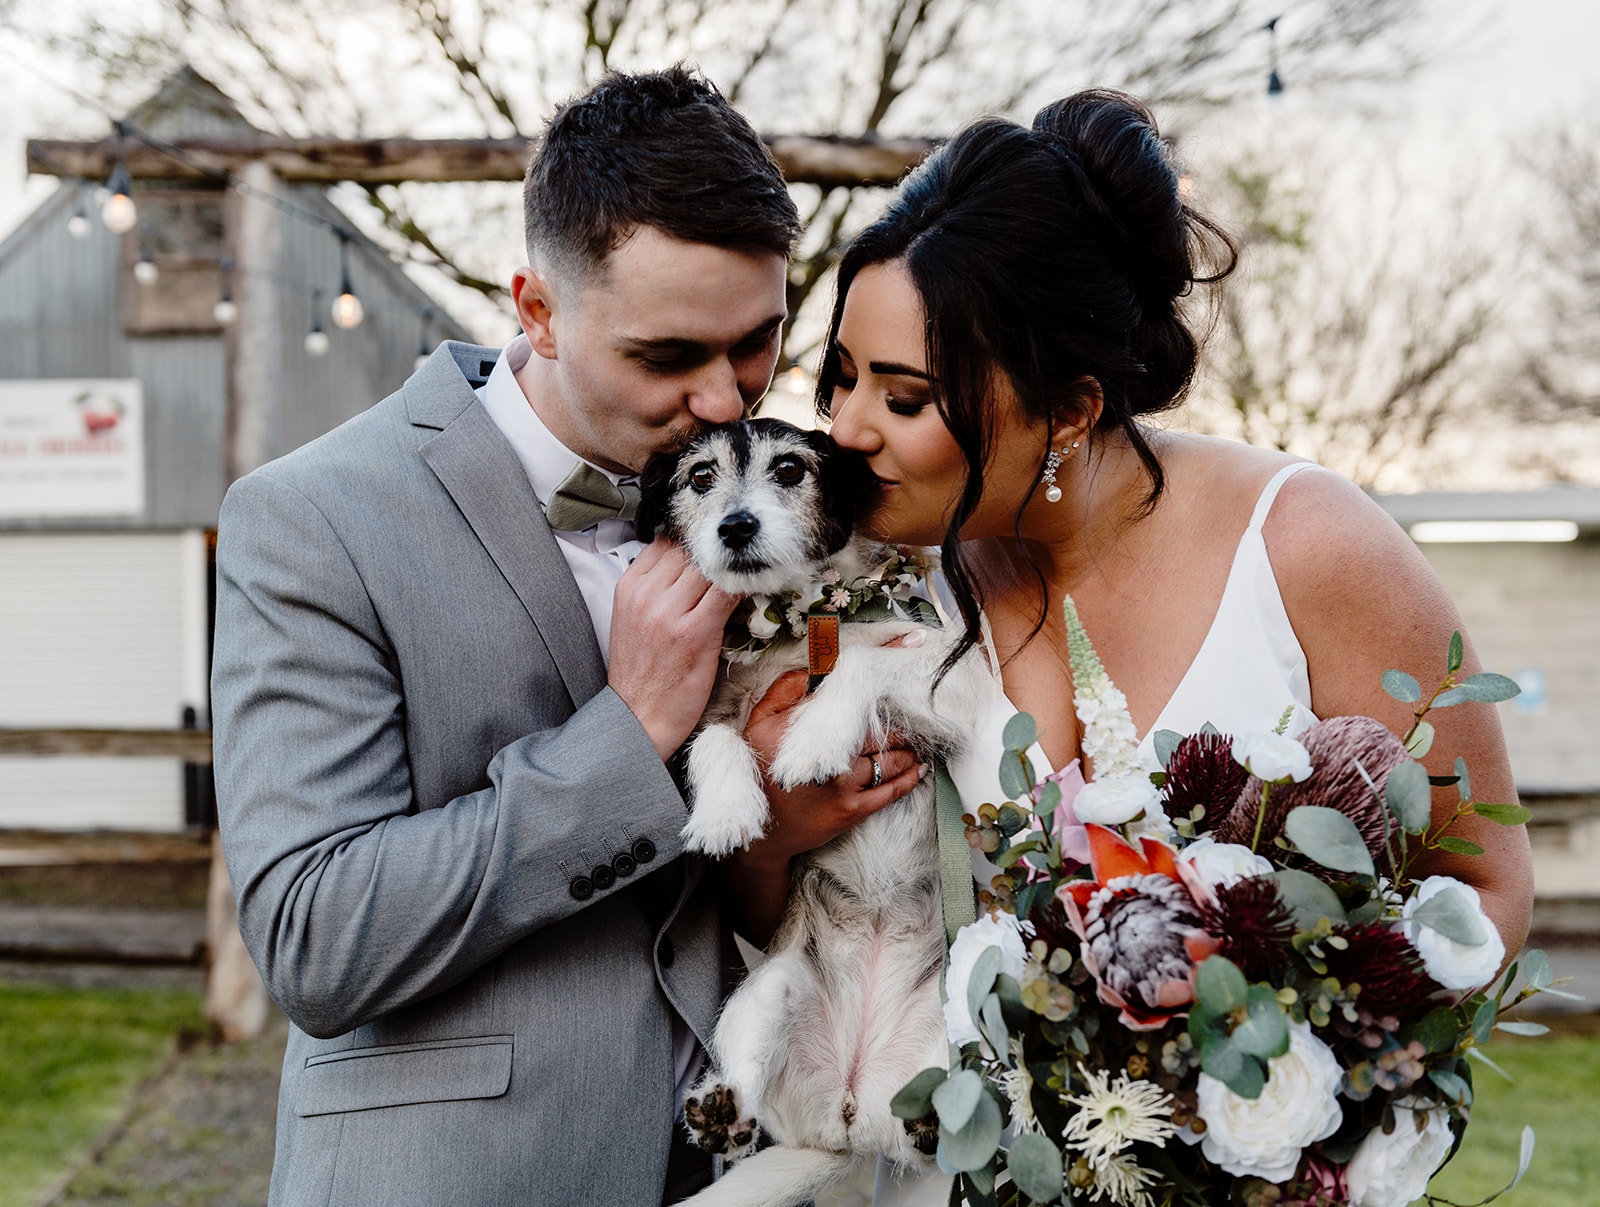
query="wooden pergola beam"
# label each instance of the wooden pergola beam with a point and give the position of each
(190, 745)
(829, 161)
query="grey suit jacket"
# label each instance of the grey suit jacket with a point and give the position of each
(416, 756)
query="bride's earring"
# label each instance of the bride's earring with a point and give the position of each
(1052, 492)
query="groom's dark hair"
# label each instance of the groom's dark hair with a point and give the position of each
(662, 149)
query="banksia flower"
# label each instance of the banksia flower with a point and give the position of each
(1202, 771)
(1335, 746)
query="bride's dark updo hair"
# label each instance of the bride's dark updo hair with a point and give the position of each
(1055, 256)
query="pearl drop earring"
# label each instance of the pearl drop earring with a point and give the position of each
(1052, 492)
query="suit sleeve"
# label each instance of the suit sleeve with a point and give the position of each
(352, 901)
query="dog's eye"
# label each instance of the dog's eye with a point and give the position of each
(702, 478)
(789, 470)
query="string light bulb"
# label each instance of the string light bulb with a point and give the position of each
(1274, 80)
(796, 378)
(316, 339)
(119, 213)
(226, 309)
(144, 270)
(347, 308)
(78, 225)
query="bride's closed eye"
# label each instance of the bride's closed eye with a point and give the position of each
(907, 406)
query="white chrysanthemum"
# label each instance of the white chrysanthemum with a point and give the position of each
(1121, 1179)
(1016, 1083)
(1112, 801)
(1115, 1114)
(1272, 757)
(1262, 1137)
(1454, 965)
(1223, 863)
(1393, 1170)
(999, 930)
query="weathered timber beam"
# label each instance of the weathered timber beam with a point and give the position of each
(830, 161)
(190, 745)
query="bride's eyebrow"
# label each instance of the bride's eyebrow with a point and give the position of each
(885, 368)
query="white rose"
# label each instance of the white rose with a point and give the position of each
(1002, 931)
(761, 627)
(1110, 802)
(1393, 1170)
(1224, 863)
(1454, 965)
(1272, 757)
(1262, 1137)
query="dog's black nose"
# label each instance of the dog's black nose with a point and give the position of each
(737, 529)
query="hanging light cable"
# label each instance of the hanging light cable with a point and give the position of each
(119, 213)
(1274, 80)
(316, 339)
(423, 350)
(347, 310)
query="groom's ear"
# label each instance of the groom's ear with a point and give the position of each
(536, 307)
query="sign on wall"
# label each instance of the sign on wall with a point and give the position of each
(71, 448)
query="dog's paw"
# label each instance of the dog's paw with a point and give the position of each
(719, 832)
(819, 745)
(712, 1116)
(730, 805)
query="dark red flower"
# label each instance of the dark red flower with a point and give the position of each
(1256, 926)
(1386, 966)
(1202, 771)
(1335, 746)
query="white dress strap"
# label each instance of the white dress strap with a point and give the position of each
(1269, 492)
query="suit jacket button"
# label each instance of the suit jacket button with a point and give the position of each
(624, 864)
(644, 850)
(664, 952)
(581, 888)
(603, 876)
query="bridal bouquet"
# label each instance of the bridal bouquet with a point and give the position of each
(1219, 981)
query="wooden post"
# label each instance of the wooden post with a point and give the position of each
(236, 1001)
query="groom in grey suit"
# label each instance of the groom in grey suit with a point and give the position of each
(448, 683)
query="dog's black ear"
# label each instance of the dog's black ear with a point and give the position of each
(655, 492)
(847, 487)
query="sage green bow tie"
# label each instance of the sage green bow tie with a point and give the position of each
(586, 496)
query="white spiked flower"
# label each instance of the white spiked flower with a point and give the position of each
(1121, 1179)
(1109, 736)
(1115, 1114)
(1016, 1083)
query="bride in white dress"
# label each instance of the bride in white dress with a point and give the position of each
(1000, 340)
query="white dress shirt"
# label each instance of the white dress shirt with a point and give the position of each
(600, 553)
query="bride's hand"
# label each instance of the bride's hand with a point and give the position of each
(807, 816)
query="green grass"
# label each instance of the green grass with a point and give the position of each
(68, 1060)
(1557, 1091)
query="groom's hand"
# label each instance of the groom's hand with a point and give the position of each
(666, 638)
(809, 815)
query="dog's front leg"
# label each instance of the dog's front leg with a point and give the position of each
(827, 732)
(729, 803)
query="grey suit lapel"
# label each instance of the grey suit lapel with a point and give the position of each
(473, 461)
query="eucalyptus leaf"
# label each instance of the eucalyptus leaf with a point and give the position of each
(1465, 786)
(1409, 797)
(1459, 846)
(915, 1098)
(1309, 899)
(980, 1186)
(982, 979)
(1524, 1156)
(1236, 1069)
(1486, 687)
(1483, 1057)
(1451, 696)
(1008, 857)
(1220, 985)
(1035, 1166)
(1437, 1030)
(957, 1099)
(1367, 911)
(1010, 819)
(1421, 740)
(1453, 1087)
(1483, 1020)
(1536, 969)
(1504, 815)
(1016, 776)
(1402, 687)
(1020, 732)
(1017, 1015)
(1458, 651)
(971, 1146)
(1330, 838)
(1166, 741)
(1514, 1027)
(1453, 916)
(1264, 1032)
(1049, 798)
(991, 1021)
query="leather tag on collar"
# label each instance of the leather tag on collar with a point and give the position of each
(822, 646)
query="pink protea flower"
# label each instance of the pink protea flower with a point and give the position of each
(1141, 927)
(1335, 745)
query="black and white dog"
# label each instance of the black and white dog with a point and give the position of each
(845, 1009)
